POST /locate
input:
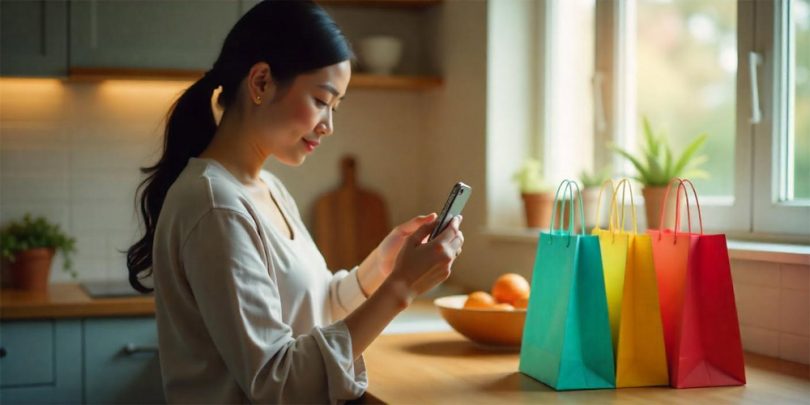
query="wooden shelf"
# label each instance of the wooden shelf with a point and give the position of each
(381, 3)
(394, 82)
(359, 80)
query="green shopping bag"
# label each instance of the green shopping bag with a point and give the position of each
(566, 338)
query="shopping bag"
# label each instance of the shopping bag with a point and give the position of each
(631, 288)
(701, 328)
(566, 338)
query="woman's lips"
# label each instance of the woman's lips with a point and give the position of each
(310, 145)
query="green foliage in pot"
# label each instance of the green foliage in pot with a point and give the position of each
(530, 178)
(595, 178)
(656, 165)
(31, 233)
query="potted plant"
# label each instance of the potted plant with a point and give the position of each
(656, 167)
(591, 183)
(537, 197)
(28, 246)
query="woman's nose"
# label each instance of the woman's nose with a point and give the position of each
(325, 126)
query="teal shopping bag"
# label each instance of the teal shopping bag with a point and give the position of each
(566, 338)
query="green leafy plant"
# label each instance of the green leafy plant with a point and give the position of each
(656, 165)
(595, 178)
(31, 233)
(530, 178)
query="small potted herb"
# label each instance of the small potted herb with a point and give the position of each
(28, 246)
(656, 167)
(591, 183)
(537, 196)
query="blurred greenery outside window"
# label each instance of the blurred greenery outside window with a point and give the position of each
(798, 94)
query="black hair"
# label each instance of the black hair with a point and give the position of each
(293, 37)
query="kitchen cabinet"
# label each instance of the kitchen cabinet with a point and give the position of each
(121, 361)
(66, 347)
(40, 361)
(33, 38)
(91, 360)
(182, 34)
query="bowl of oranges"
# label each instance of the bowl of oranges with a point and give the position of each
(490, 319)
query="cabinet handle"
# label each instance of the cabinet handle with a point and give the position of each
(3, 352)
(131, 349)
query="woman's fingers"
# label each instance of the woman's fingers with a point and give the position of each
(409, 227)
(450, 232)
(421, 232)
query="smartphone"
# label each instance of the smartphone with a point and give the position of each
(455, 203)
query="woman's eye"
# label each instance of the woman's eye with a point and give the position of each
(323, 104)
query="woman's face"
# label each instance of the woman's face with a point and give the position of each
(292, 123)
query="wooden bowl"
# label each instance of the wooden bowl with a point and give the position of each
(490, 327)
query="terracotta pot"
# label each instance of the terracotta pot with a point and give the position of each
(590, 202)
(538, 208)
(653, 198)
(31, 269)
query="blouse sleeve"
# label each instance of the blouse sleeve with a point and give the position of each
(345, 293)
(229, 274)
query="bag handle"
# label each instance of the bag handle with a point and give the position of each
(681, 185)
(570, 186)
(599, 201)
(617, 216)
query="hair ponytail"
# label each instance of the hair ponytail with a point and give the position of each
(293, 37)
(190, 126)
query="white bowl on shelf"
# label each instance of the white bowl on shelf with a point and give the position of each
(380, 54)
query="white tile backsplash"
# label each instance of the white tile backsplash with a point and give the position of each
(796, 277)
(107, 185)
(760, 340)
(757, 306)
(755, 273)
(794, 312)
(113, 215)
(794, 348)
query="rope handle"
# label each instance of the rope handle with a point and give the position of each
(681, 185)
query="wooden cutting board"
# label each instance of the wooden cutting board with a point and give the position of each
(349, 222)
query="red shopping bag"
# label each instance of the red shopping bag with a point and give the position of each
(701, 328)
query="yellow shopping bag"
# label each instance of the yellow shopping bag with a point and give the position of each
(631, 288)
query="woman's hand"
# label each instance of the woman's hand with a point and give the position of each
(422, 265)
(390, 247)
(378, 265)
(417, 267)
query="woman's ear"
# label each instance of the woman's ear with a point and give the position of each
(261, 87)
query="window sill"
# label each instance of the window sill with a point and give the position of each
(737, 249)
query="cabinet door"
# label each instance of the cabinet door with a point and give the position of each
(41, 362)
(33, 38)
(121, 361)
(178, 34)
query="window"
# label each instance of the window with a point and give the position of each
(737, 70)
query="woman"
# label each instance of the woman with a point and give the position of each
(246, 308)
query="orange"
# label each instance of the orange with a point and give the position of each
(479, 299)
(522, 302)
(503, 307)
(509, 287)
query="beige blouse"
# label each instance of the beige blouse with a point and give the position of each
(244, 313)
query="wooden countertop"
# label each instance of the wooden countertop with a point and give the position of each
(69, 301)
(445, 367)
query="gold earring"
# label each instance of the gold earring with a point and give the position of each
(258, 100)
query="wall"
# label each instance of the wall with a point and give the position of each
(71, 151)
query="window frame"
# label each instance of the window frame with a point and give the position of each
(754, 210)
